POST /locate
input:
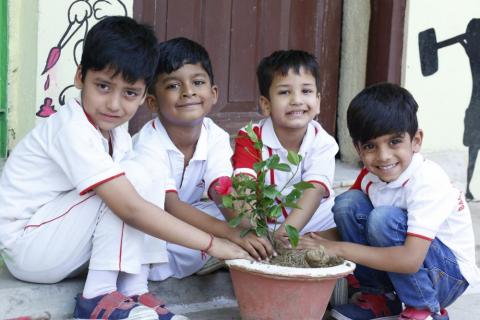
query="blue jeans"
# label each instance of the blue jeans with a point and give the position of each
(437, 283)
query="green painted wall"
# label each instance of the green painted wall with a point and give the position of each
(3, 77)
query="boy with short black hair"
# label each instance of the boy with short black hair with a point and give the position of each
(66, 201)
(195, 150)
(405, 225)
(290, 99)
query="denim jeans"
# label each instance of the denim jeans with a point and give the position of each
(435, 285)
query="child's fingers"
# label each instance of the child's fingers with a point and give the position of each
(260, 249)
(268, 246)
(252, 251)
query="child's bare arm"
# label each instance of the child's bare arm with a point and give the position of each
(298, 218)
(257, 247)
(402, 259)
(128, 205)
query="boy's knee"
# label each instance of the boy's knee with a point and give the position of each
(348, 203)
(383, 225)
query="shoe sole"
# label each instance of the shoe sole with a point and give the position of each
(138, 313)
(338, 316)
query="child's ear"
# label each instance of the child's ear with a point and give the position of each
(214, 94)
(78, 81)
(417, 141)
(319, 100)
(265, 106)
(151, 102)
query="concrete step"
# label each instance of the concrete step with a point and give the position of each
(198, 297)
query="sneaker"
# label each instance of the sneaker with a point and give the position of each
(157, 304)
(369, 307)
(212, 264)
(422, 314)
(112, 306)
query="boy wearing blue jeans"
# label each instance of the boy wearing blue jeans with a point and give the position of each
(405, 225)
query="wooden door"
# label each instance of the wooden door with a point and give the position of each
(237, 34)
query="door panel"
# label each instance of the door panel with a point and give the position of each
(237, 34)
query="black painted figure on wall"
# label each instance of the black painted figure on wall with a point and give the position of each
(470, 41)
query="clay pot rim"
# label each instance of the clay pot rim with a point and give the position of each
(275, 271)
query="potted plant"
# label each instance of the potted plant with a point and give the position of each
(266, 290)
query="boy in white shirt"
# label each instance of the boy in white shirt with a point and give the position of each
(195, 151)
(70, 195)
(405, 225)
(290, 98)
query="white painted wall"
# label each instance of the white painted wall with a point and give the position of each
(62, 26)
(443, 96)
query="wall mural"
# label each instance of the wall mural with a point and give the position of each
(470, 40)
(82, 14)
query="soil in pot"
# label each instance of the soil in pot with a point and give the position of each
(305, 258)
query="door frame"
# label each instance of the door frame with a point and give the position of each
(3, 77)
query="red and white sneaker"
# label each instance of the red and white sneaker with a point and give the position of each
(112, 306)
(157, 304)
(422, 314)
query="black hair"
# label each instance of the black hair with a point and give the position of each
(281, 62)
(123, 45)
(177, 52)
(381, 109)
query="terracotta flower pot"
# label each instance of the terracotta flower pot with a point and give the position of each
(266, 291)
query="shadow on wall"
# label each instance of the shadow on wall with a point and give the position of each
(470, 40)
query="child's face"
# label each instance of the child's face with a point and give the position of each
(184, 96)
(294, 100)
(389, 155)
(109, 100)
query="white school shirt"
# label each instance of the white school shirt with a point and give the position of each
(435, 208)
(63, 153)
(210, 161)
(318, 151)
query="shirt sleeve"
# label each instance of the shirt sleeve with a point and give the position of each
(83, 158)
(319, 164)
(430, 200)
(245, 154)
(149, 151)
(218, 158)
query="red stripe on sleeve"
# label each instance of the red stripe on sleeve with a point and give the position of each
(86, 190)
(327, 192)
(419, 236)
(245, 154)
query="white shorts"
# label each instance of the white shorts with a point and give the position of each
(182, 261)
(68, 232)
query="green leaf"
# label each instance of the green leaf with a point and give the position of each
(251, 134)
(275, 212)
(282, 167)
(303, 185)
(227, 201)
(258, 166)
(261, 231)
(293, 195)
(271, 192)
(292, 235)
(293, 158)
(245, 232)
(235, 221)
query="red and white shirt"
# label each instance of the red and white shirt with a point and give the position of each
(210, 161)
(434, 206)
(318, 150)
(63, 153)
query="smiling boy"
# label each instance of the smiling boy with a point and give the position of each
(72, 194)
(194, 149)
(290, 99)
(403, 222)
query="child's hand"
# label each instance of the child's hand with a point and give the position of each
(258, 248)
(313, 241)
(224, 249)
(281, 238)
